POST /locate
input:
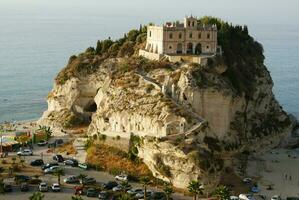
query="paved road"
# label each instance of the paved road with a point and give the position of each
(67, 190)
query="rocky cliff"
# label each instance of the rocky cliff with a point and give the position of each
(187, 116)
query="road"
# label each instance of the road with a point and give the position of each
(67, 190)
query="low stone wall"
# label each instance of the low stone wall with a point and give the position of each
(149, 55)
(188, 58)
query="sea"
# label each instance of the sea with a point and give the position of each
(35, 44)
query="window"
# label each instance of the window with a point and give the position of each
(199, 35)
(208, 47)
(180, 35)
(170, 36)
(150, 33)
(188, 23)
(208, 35)
(193, 24)
(190, 35)
(170, 47)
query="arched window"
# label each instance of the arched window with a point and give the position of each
(170, 35)
(170, 47)
(188, 23)
(193, 24)
(180, 35)
(190, 35)
(150, 33)
(208, 35)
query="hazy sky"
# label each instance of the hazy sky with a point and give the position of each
(142, 11)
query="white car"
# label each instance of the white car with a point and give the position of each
(25, 152)
(247, 180)
(55, 187)
(121, 177)
(276, 197)
(43, 187)
(234, 198)
(246, 197)
(51, 169)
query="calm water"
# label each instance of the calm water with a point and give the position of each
(35, 44)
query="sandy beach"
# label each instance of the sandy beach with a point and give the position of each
(279, 168)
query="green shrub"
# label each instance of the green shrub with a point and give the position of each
(103, 137)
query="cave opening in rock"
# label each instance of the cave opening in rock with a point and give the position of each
(91, 107)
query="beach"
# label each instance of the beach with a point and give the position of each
(278, 168)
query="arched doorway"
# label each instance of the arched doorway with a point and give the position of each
(198, 50)
(179, 48)
(189, 48)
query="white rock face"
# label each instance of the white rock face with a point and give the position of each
(165, 102)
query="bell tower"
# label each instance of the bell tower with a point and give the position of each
(190, 22)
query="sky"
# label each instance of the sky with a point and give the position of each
(158, 11)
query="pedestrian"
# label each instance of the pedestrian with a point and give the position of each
(290, 178)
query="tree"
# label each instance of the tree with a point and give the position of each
(37, 196)
(222, 192)
(22, 161)
(124, 197)
(58, 173)
(195, 188)
(23, 139)
(13, 160)
(168, 190)
(81, 177)
(77, 198)
(1, 186)
(145, 182)
(124, 185)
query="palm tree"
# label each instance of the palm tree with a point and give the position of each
(145, 181)
(22, 162)
(124, 185)
(13, 160)
(222, 192)
(168, 190)
(195, 188)
(58, 173)
(124, 197)
(81, 177)
(37, 196)
(77, 198)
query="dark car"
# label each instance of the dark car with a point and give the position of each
(21, 178)
(37, 162)
(46, 166)
(7, 188)
(158, 196)
(71, 162)
(88, 181)
(110, 185)
(58, 158)
(92, 192)
(42, 143)
(24, 187)
(52, 145)
(58, 142)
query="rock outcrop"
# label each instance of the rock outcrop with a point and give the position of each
(187, 116)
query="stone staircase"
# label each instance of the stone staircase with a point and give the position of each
(178, 104)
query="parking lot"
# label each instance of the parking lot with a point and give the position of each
(67, 190)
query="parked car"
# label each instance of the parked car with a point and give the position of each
(25, 152)
(43, 187)
(83, 166)
(120, 188)
(109, 185)
(121, 177)
(276, 197)
(42, 143)
(78, 190)
(71, 179)
(158, 196)
(88, 181)
(247, 180)
(21, 178)
(246, 197)
(71, 162)
(134, 191)
(48, 165)
(92, 192)
(37, 162)
(59, 141)
(7, 188)
(141, 194)
(52, 145)
(51, 169)
(103, 195)
(58, 158)
(24, 187)
(55, 187)
(234, 198)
